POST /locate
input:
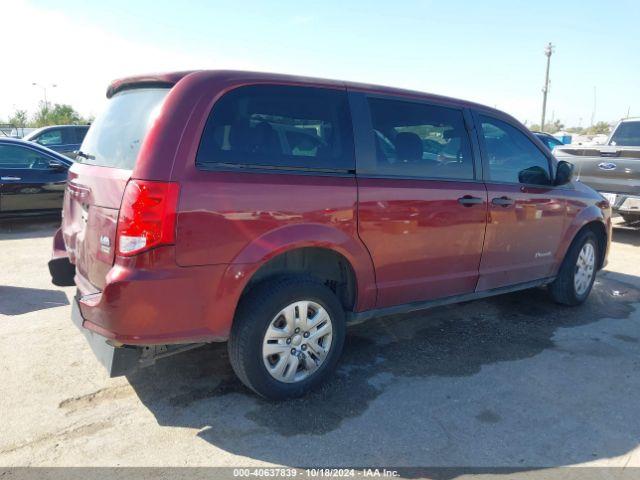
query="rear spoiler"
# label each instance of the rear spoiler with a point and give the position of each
(163, 80)
(112, 90)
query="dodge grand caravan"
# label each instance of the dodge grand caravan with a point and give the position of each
(272, 211)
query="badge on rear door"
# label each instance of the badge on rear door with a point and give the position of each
(105, 244)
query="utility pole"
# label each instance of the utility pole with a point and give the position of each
(593, 112)
(547, 51)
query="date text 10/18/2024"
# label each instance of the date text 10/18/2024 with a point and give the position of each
(315, 472)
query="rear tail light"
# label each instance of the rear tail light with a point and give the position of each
(147, 216)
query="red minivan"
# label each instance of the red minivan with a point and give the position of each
(272, 211)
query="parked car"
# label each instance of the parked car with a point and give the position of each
(14, 132)
(187, 221)
(32, 178)
(548, 140)
(65, 139)
(612, 169)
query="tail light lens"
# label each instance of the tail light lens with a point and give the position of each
(147, 216)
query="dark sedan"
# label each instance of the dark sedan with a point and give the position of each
(32, 178)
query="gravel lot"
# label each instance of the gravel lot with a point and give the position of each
(512, 381)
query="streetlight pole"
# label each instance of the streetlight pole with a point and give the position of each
(44, 90)
(547, 51)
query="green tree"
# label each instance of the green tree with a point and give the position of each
(59, 114)
(600, 127)
(554, 127)
(41, 117)
(548, 127)
(19, 118)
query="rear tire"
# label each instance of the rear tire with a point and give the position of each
(278, 317)
(577, 272)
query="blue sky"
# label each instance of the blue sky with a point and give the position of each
(487, 51)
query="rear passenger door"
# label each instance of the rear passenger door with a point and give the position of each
(271, 157)
(526, 212)
(421, 209)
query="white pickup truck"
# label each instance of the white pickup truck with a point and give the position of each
(613, 169)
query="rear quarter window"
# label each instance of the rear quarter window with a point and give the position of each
(274, 126)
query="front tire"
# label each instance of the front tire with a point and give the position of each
(577, 272)
(287, 336)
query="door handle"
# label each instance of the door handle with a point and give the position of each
(10, 178)
(502, 201)
(468, 201)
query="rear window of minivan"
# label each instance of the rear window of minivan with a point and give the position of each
(277, 126)
(115, 136)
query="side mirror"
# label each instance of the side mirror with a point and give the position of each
(564, 173)
(534, 176)
(56, 166)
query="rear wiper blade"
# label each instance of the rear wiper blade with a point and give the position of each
(80, 153)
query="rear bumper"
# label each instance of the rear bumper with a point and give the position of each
(623, 202)
(627, 204)
(149, 300)
(117, 361)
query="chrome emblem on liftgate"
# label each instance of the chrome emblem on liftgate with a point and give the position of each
(607, 166)
(105, 244)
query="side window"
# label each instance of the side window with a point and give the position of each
(418, 140)
(12, 157)
(50, 138)
(279, 126)
(512, 157)
(68, 135)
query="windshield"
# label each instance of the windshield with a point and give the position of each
(114, 138)
(626, 135)
(35, 132)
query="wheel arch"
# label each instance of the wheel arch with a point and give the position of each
(591, 219)
(305, 247)
(326, 264)
(600, 231)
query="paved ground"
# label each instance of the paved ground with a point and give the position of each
(511, 381)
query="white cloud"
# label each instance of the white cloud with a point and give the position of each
(82, 59)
